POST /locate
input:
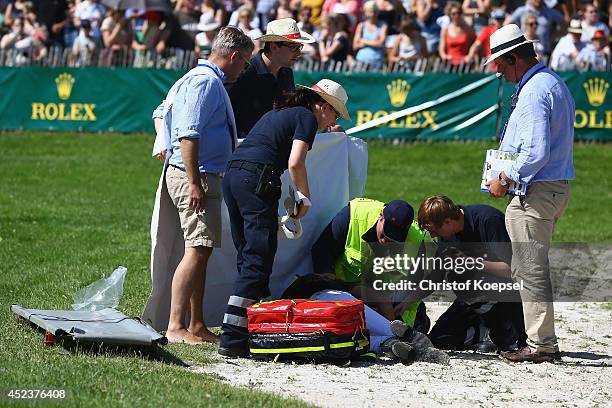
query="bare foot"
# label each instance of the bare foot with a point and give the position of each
(204, 334)
(183, 336)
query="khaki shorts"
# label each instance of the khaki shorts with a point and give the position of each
(198, 229)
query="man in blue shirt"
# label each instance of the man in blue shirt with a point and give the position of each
(200, 136)
(541, 130)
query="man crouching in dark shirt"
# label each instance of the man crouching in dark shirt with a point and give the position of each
(478, 319)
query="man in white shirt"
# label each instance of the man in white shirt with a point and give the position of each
(84, 45)
(92, 11)
(591, 23)
(564, 55)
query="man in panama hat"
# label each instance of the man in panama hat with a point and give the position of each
(269, 76)
(540, 130)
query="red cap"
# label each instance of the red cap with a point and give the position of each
(599, 34)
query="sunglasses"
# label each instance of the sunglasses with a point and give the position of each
(532, 24)
(295, 47)
(247, 63)
(334, 110)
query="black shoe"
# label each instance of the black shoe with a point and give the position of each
(401, 330)
(403, 352)
(406, 333)
(397, 350)
(557, 357)
(430, 355)
(486, 346)
(236, 352)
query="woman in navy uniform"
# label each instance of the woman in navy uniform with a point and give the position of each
(279, 141)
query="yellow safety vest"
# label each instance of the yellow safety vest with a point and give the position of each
(364, 213)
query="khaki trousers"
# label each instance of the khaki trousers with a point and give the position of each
(530, 221)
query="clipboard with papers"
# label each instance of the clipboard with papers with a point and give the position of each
(495, 162)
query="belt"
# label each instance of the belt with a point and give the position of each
(176, 167)
(549, 181)
(257, 168)
(202, 172)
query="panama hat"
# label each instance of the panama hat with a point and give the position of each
(285, 29)
(506, 39)
(333, 93)
(575, 26)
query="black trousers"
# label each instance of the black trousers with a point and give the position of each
(464, 325)
(254, 225)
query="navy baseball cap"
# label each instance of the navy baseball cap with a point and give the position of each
(85, 24)
(398, 216)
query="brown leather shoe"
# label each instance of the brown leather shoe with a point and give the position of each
(525, 354)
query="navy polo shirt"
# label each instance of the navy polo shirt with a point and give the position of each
(485, 225)
(330, 244)
(256, 91)
(271, 139)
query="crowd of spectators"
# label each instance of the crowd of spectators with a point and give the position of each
(572, 34)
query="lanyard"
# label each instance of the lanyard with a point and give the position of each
(514, 98)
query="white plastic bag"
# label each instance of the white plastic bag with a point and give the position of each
(101, 294)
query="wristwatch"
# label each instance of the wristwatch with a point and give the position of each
(502, 181)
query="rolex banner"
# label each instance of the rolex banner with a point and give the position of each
(593, 104)
(390, 106)
(82, 99)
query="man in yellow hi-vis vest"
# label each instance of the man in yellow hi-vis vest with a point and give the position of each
(361, 231)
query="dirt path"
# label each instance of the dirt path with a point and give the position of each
(584, 379)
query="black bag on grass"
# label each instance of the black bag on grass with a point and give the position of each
(318, 346)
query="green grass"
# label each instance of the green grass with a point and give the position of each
(75, 206)
(71, 208)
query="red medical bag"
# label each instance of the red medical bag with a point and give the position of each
(303, 328)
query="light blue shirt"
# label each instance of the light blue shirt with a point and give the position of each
(596, 59)
(541, 128)
(368, 54)
(199, 112)
(158, 113)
